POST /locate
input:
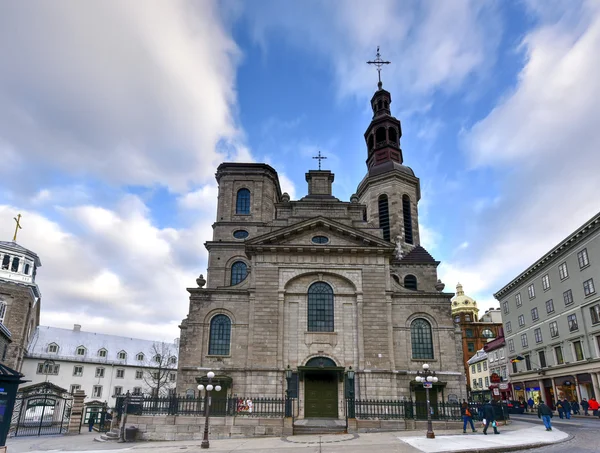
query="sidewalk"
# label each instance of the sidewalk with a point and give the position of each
(517, 435)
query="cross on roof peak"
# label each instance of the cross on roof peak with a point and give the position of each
(319, 158)
(378, 62)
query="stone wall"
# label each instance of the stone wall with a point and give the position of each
(172, 427)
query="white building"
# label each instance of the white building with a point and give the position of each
(479, 376)
(101, 365)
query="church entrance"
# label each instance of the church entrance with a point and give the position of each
(321, 395)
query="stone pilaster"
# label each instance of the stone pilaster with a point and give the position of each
(76, 412)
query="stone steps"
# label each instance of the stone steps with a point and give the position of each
(300, 430)
(108, 437)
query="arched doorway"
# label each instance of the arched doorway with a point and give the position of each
(321, 376)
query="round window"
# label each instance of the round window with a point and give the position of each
(320, 240)
(240, 234)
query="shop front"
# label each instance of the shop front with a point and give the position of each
(532, 390)
(586, 389)
(565, 387)
(518, 392)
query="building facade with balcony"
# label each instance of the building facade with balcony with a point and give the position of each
(499, 366)
(551, 317)
(103, 366)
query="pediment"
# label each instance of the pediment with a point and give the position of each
(301, 234)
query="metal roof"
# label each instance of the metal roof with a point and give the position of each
(14, 247)
(68, 340)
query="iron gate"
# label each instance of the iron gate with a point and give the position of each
(41, 409)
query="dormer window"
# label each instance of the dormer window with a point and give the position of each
(122, 355)
(172, 360)
(52, 348)
(157, 358)
(102, 353)
(80, 351)
(139, 357)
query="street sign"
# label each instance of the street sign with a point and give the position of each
(427, 385)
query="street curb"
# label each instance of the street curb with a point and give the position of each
(510, 448)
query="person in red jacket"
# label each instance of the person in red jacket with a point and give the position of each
(594, 406)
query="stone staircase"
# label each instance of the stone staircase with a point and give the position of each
(319, 426)
(109, 436)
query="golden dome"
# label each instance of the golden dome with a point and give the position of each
(462, 303)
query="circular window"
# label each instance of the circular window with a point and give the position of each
(320, 240)
(240, 234)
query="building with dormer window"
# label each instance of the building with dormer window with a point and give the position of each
(322, 287)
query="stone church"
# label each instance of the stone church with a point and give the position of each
(339, 292)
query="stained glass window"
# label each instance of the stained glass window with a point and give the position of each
(239, 271)
(242, 205)
(220, 335)
(420, 336)
(320, 308)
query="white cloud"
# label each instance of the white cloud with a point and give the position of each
(541, 141)
(119, 272)
(428, 51)
(128, 94)
(205, 198)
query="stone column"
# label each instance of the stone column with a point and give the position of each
(595, 385)
(76, 412)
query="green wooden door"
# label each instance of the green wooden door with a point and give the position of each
(320, 395)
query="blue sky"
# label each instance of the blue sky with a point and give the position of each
(113, 119)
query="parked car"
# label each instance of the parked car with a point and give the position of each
(514, 407)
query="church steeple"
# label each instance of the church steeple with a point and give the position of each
(383, 134)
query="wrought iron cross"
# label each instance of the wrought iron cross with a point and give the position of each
(378, 62)
(17, 227)
(320, 158)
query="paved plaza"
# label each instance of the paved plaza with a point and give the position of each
(517, 435)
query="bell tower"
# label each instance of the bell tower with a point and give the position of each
(390, 190)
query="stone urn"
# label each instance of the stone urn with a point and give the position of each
(200, 281)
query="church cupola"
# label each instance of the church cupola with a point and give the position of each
(384, 132)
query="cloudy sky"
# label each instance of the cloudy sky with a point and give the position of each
(114, 116)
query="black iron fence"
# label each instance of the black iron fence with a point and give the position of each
(195, 406)
(397, 409)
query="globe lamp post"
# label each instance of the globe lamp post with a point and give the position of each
(209, 388)
(427, 377)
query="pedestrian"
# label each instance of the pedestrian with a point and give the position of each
(594, 406)
(530, 404)
(545, 413)
(91, 421)
(566, 408)
(467, 417)
(575, 407)
(490, 418)
(585, 405)
(559, 408)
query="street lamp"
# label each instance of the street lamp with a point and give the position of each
(427, 377)
(209, 388)
(350, 374)
(288, 401)
(48, 368)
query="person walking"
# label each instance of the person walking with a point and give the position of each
(575, 407)
(566, 408)
(490, 418)
(585, 405)
(91, 421)
(559, 408)
(594, 406)
(530, 404)
(545, 413)
(467, 417)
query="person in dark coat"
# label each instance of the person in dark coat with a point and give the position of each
(91, 421)
(566, 408)
(545, 413)
(490, 417)
(585, 405)
(575, 407)
(559, 408)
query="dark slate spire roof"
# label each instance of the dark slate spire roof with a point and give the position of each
(14, 247)
(418, 255)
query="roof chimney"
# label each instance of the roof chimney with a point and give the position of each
(76, 327)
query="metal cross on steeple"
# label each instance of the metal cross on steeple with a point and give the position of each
(379, 63)
(320, 158)
(17, 227)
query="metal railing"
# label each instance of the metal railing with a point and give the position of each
(402, 409)
(195, 406)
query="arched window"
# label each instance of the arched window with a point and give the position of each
(420, 337)
(15, 264)
(408, 233)
(410, 282)
(384, 217)
(320, 307)
(380, 135)
(5, 261)
(26, 269)
(379, 104)
(220, 335)
(370, 142)
(487, 333)
(239, 270)
(242, 205)
(393, 136)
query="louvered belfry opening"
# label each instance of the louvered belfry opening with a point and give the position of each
(384, 217)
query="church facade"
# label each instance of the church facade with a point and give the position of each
(340, 293)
